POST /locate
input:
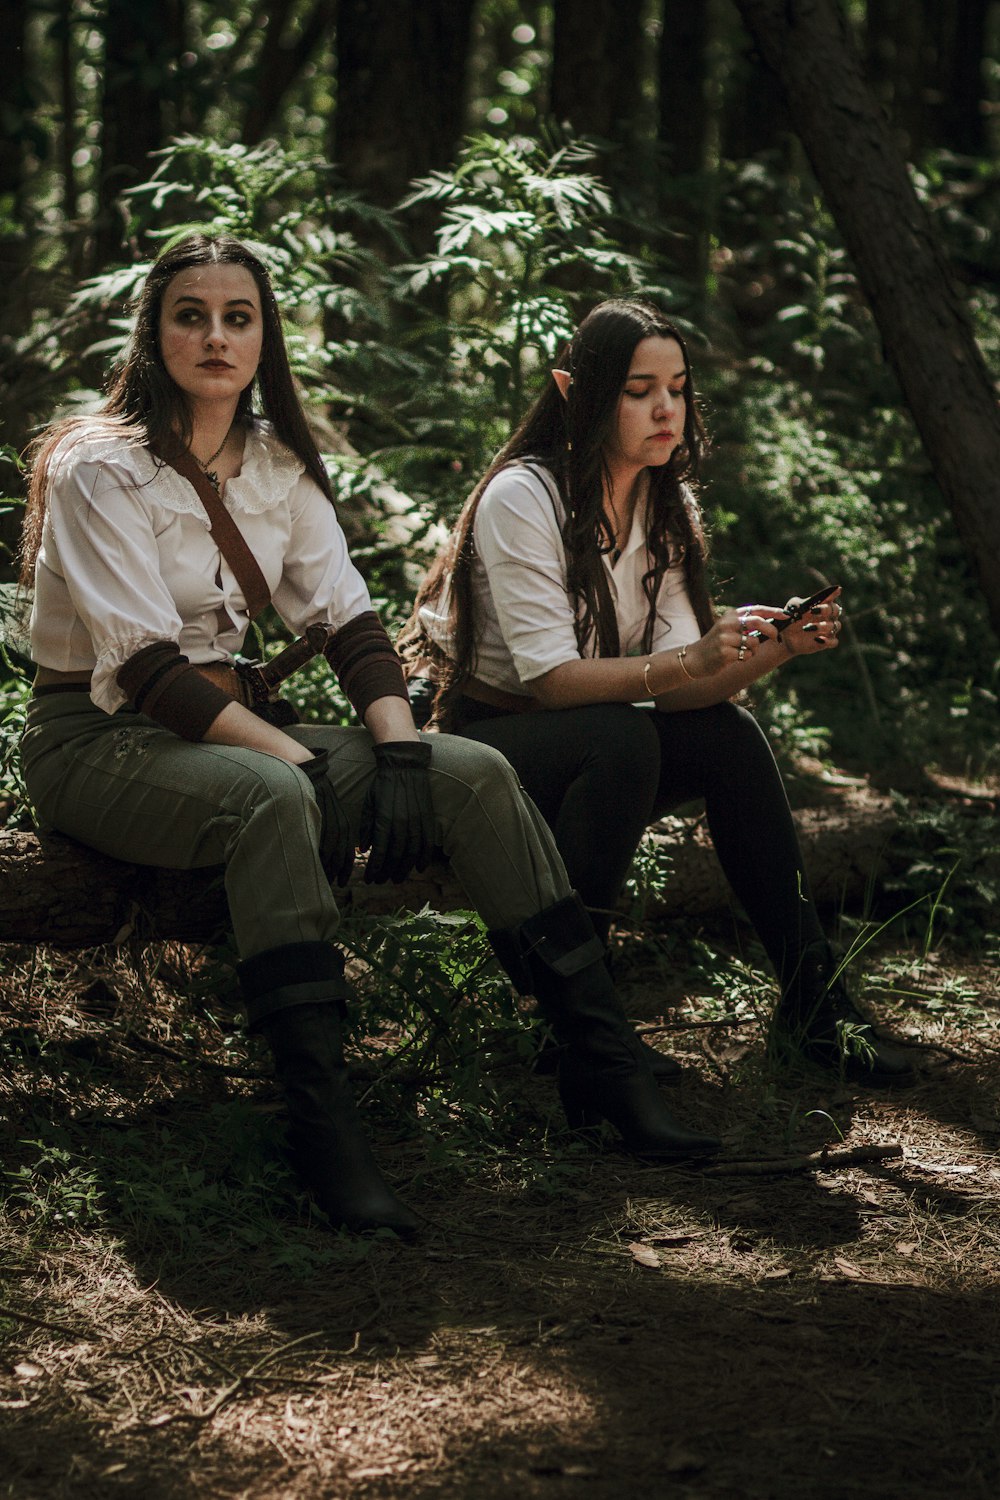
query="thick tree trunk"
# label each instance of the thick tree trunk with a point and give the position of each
(597, 50)
(401, 73)
(141, 49)
(15, 112)
(55, 891)
(684, 118)
(899, 261)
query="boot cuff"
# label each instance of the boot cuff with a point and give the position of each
(291, 964)
(562, 937)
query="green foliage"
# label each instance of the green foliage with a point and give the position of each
(525, 244)
(952, 855)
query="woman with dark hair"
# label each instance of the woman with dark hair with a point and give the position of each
(155, 528)
(568, 624)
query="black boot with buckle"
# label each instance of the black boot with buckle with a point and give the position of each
(557, 957)
(817, 1020)
(295, 995)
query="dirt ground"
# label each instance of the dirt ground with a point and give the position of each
(569, 1323)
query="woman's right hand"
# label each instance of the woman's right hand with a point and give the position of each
(733, 640)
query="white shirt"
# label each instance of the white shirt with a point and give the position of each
(524, 615)
(127, 558)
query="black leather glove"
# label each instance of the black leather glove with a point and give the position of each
(336, 847)
(397, 819)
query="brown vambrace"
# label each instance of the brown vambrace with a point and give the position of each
(366, 663)
(161, 683)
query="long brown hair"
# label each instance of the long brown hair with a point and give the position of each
(569, 437)
(145, 406)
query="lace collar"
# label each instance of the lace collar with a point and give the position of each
(269, 472)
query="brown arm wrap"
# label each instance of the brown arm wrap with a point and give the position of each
(366, 663)
(161, 683)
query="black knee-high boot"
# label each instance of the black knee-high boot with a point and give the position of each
(295, 996)
(557, 957)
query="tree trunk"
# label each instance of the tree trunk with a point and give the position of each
(56, 891)
(684, 130)
(401, 85)
(894, 39)
(15, 115)
(597, 66)
(900, 264)
(141, 45)
(281, 61)
(957, 104)
(684, 120)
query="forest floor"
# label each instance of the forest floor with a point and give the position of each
(568, 1323)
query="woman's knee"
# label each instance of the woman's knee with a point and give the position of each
(617, 741)
(480, 768)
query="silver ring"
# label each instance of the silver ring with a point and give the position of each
(741, 653)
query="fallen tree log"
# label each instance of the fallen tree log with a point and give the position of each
(58, 892)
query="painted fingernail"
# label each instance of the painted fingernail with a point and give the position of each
(817, 609)
(807, 628)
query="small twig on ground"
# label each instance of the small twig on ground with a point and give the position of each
(823, 1160)
(74, 1333)
(697, 1025)
(139, 1043)
(230, 1390)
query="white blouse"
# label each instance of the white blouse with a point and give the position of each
(524, 615)
(127, 558)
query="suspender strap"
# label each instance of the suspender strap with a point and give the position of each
(225, 533)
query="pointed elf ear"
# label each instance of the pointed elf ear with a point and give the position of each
(563, 380)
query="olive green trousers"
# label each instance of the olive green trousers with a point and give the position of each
(137, 792)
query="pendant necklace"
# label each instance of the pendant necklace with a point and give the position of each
(206, 467)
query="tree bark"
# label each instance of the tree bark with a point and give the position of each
(900, 264)
(597, 68)
(684, 118)
(56, 891)
(140, 51)
(15, 117)
(401, 85)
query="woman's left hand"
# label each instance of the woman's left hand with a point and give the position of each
(818, 630)
(397, 819)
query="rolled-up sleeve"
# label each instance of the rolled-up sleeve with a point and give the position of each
(518, 540)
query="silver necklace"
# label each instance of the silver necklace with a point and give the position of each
(206, 467)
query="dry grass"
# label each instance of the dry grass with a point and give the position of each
(569, 1323)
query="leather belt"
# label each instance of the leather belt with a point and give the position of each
(251, 683)
(494, 697)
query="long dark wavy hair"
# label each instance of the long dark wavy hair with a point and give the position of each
(569, 437)
(144, 405)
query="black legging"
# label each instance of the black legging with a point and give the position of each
(601, 774)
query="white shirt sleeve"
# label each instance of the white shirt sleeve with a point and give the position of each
(518, 539)
(319, 582)
(100, 539)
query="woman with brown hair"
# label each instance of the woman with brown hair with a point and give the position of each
(568, 624)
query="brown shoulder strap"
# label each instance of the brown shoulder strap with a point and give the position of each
(225, 533)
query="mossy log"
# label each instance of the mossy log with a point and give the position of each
(55, 891)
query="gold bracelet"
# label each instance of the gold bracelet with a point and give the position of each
(683, 666)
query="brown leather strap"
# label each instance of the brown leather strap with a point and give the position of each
(493, 697)
(225, 533)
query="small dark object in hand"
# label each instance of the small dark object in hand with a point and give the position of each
(796, 611)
